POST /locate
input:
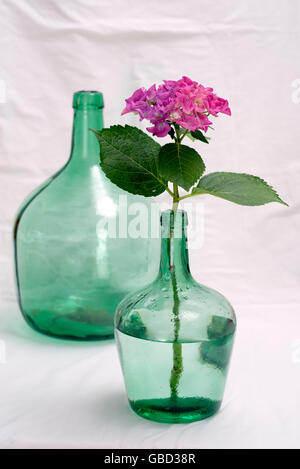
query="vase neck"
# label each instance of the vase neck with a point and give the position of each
(88, 114)
(174, 251)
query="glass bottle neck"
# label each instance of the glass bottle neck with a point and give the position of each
(85, 148)
(174, 251)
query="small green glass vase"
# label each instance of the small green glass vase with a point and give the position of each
(73, 266)
(175, 337)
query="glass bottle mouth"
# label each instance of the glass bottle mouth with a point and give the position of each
(88, 100)
(173, 224)
(169, 217)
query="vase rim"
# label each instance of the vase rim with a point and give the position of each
(85, 99)
(167, 215)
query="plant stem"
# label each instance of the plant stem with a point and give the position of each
(187, 196)
(170, 192)
(183, 135)
(175, 198)
(177, 347)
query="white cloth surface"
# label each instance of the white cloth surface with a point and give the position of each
(62, 394)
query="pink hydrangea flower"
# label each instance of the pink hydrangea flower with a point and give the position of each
(185, 102)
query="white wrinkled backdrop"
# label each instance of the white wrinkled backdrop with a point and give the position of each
(248, 51)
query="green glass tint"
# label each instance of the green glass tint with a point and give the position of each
(72, 265)
(175, 338)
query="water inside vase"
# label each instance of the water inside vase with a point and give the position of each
(147, 368)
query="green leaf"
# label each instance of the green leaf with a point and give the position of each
(198, 135)
(242, 189)
(129, 158)
(180, 164)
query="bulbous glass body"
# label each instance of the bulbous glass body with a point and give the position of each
(175, 338)
(73, 266)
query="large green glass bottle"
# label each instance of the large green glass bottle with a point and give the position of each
(175, 338)
(73, 266)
